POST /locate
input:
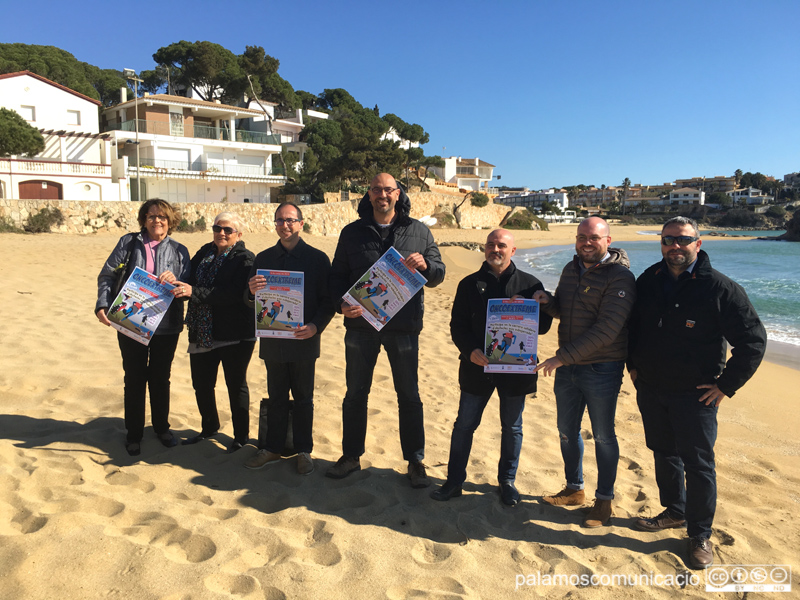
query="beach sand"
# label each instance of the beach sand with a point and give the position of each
(79, 518)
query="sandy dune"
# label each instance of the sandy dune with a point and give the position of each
(79, 518)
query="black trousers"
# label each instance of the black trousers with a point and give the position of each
(297, 378)
(205, 366)
(147, 367)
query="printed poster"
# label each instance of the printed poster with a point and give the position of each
(279, 306)
(512, 333)
(141, 304)
(385, 288)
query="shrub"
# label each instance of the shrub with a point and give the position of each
(520, 220)
(200, 224)
(776, 211)
(43, 221)
(7, 226)
(184, 226)
(479, 199)
(306, 228)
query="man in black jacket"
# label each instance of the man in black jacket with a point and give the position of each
(498, 277)
(684, 313)
(383, 222)
(291, 362)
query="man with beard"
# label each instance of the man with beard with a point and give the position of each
(498, 277)
(684, 314)
(593, 299)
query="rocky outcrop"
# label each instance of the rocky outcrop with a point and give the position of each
(792, 229)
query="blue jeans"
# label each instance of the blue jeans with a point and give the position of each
(470, 411)
(361, 354)
(594, 387)
(681, 432)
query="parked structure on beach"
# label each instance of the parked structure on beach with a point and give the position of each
(76, 163)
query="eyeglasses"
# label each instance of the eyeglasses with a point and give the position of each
(152, 218)
(289, 222)
(683, 240)
(582, 239)
(227, 230)
(386, 190)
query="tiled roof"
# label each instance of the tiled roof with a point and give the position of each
(470, 162)
(53, 83)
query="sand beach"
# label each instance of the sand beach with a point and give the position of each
(81, 519)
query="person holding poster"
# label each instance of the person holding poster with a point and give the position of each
(498, 277)
(290, 361)
(593, 301)
(220, 328)
(383, 222)
(147, 366)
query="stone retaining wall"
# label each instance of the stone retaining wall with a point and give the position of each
(85, 217)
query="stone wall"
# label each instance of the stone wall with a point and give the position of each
(85, 217)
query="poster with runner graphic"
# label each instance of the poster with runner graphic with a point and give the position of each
(512, 334)
(141, 304)
(385, 288)
(279, 306)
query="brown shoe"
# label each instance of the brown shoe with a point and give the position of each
(305, 466)
(600, 514)
(416, 473)
(659, 522)
(343, 467)
(701, 553)
(566, 497)
(261, 459)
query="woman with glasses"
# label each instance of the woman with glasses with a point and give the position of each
(149, 366)
(221, 328)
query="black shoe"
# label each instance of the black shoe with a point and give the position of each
(168, 439)
(133, 448)
(509, 494)
(446, 491)
(234, 447)
(198, 438)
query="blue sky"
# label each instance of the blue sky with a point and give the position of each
(551, 92)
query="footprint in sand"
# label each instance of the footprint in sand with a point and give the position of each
(427, 553)
(723, 537)
(434, 587)
(155, 529)
(207, 507)
(231, 585)
(118, 477)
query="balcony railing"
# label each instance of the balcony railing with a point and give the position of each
(197, 131)
(210, 169)
(285, 113)
(54, 167)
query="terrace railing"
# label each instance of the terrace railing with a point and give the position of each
(166, 166)
(197, 131)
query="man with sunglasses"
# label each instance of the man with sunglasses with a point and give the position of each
(383, 222)
(684, 314)
(593, 301)
(291, 363)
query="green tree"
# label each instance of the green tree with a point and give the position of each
(626, 184)
(644, 206)
(268, 84)
(737, 176)
(753, 180)
(210, 69)
(721, 198)
(17, 137)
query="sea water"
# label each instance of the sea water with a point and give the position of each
(768, 271)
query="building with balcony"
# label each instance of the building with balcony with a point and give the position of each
(189, 150)
(719, 183)
(687, 197)
(286, 123)
(76, 161)
(749, 196)
(466, 173)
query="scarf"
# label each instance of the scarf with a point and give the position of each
(198, 316)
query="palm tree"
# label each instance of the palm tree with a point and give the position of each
(738, 176)
(626, 183)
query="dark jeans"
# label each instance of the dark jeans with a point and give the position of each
(205, 367)
(470, 411)
(147, 367)
(297, 378)
(594, 387)
(681, 432)
(361, 353)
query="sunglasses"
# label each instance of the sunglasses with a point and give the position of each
(226, 230)
(683, 240)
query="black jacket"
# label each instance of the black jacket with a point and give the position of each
(317, 306)
(679, 331)
(231, 318)
(360, 245)
(468, 327)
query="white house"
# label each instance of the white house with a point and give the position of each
(76, 161)
(467, 173)
(190, 150)
(535, 200)
(687, 197)
(749, 196)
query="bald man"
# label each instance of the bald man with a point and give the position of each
(498, 277)
(383, 222)
(593, 300)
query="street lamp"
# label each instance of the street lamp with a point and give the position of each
(130, 75)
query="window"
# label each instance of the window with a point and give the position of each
(28, 112)
(73, 117)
